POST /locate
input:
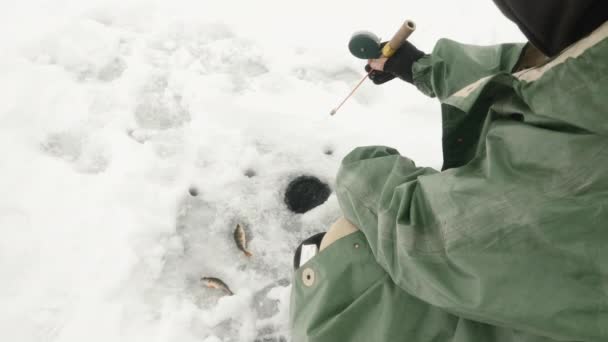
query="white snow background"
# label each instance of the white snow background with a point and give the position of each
(110, 111)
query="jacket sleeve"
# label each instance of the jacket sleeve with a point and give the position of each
(452, 66)
(480, 248)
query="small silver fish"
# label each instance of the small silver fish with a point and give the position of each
(216, 283)
(241, 240)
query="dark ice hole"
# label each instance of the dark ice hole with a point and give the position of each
(193, 191)
(305, 193)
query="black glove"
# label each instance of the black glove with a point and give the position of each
(399, 65)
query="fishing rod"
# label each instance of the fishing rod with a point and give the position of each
(366, 45)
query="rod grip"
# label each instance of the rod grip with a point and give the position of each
(399, 38)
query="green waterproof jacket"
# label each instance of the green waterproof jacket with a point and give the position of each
(508, 243)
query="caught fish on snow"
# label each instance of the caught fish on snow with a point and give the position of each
(216, 283)
(241, 240)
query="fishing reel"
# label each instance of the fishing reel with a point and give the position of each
(367, 45)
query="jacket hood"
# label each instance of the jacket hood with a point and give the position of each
(553, 25)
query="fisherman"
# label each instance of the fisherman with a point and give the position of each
(509, 242)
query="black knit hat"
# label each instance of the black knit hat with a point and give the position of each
(553, 25)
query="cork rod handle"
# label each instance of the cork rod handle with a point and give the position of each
(399, 38)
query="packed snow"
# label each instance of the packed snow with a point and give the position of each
(135, 135)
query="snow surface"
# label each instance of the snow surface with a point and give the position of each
(112, 111)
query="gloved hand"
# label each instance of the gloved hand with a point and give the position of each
(399, 65)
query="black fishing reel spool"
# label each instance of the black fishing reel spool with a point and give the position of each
(365, 45)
